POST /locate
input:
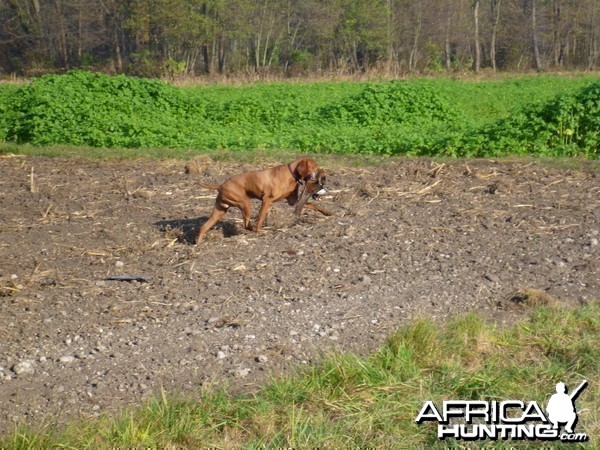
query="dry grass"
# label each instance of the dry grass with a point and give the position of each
(531, 298)
(199, 165)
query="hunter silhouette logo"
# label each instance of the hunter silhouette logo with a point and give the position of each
(561, 407)
(471, 420)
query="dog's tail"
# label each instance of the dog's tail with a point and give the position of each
(212, 187)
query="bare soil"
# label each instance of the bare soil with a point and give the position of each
(413, 238)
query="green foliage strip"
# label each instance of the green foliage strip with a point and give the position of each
(417, 117)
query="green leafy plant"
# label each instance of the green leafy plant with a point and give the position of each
(535, 116)
(84, 108)
(567, 125)
(396, 102)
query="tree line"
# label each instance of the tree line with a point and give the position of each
(297, 37)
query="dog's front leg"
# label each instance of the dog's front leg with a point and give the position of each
(264, 208)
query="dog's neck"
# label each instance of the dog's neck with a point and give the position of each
(296, 177)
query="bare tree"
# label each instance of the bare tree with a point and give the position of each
(477, 63)
(162, 37)
(414, 52)
(593, 38)
(534, 37)
(495, 4)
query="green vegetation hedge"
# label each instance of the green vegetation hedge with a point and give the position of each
(567, 125)
(82, 108)
(418, 117)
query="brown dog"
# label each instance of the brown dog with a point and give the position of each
(297, 182)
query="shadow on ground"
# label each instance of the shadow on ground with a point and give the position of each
(186, 230)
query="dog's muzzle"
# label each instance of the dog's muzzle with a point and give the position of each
(317, 195)
(311, 188)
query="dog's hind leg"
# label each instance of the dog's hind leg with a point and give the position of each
(217, 214)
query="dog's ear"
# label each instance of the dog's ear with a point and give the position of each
(305, 167)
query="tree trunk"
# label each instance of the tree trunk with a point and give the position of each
(413, 58)
(390, 41)
(61, 34)
(447, 47)
(117, 50)
(80, 33)
(534, 38)
(496, 19)
(593, 52)
(557, 47)
(206, 59)
(221, 53)
(477, 64)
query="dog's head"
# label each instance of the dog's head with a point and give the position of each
(305, 168)
(312, 187)
(315, 184)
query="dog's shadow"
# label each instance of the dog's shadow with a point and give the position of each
(186, 230)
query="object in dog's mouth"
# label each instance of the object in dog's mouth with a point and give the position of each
(306, 195)
(303, 198)
(313, 187)
(317, 195)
